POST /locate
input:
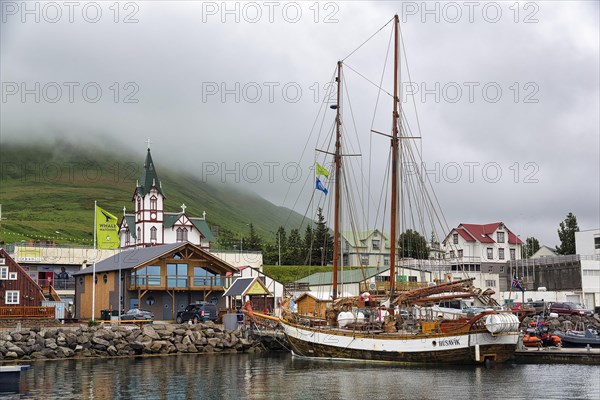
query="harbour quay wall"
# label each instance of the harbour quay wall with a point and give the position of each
(119, 340)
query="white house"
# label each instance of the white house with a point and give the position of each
(368, 248)
(482, 243)
(544, 251)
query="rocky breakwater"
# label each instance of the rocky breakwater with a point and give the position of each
(115, 341)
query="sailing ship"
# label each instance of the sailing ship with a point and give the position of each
(490, 335)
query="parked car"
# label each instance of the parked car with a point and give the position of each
(541, 307)
(523, 309)
(200, 312)
(137, 314)
(570, 308)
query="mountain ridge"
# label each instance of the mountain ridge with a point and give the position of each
(48, 189)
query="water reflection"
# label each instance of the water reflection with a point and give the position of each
(280, 376)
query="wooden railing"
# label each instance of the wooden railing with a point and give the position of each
(27, 312)
(183, 282)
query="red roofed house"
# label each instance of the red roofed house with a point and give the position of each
(482, 243)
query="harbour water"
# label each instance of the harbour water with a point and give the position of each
(280, 376)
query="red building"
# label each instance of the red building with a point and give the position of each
(17, 288)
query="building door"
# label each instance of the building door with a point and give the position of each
(168, 308)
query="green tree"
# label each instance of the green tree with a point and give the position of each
(226, 239)
(309, 244)
(253, 242)
(566, 234)
(323, 244)
(295, 250)
(412, 244)
(529, 248)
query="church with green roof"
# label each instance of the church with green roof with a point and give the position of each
(151, 225)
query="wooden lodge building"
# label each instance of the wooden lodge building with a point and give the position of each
(163, 279)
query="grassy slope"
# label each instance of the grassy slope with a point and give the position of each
(49, 187)
(290, 273)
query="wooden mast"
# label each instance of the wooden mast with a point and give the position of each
(338, 167)
(395, 140)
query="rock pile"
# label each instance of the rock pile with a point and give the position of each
(111, 341)
(566, 322)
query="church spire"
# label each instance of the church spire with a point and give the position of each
(149, 176)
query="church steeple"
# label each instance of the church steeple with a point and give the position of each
(149, 177)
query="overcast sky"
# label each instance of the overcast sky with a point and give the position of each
(507, 93)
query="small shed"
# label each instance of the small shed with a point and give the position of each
(313, 303)
(249, 286)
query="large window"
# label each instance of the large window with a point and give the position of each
(597, 242)
(375, 244)
(147, 276)
(460, 253)
(455, 238)
(204, 277)
(512, 254)
(12, 297)
(182, 234)
(490, 253)
(501, 254)
(177, 275)
(153, 233)
(491, 283)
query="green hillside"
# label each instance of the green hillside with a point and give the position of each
(47, 192)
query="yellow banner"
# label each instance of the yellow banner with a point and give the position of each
(107, 229)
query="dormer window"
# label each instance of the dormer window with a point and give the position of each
(500, 237)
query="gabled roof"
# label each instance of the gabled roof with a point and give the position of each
(484, 233)
(130, 259)
(202, 226)
(149, 177)
(199, 223)
(358, 239)
(247, 286)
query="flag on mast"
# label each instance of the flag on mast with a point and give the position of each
(516, 284)
(321, 170)
(107, 229)
(319, 186)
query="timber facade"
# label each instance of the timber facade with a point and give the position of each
(17, 288)
(162, 279)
